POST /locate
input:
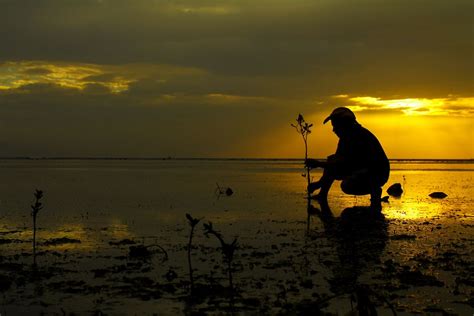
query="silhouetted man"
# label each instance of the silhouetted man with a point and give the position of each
(360, 161)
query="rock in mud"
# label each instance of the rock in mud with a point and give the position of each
(438, 195)
(395, 190)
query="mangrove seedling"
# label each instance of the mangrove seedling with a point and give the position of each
(35, 208)
(304, 129)
(221, 191)
(192, 222)
(227, 249)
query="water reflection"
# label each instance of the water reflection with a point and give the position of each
(415, 203)
(415, 210)
(359, 236)
(63, 237)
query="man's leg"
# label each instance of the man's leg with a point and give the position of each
(362, 183)
(324, 184)
(376, 198)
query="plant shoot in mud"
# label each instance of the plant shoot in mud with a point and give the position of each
(35, 208)
(304, 129)
(192, 222)
(227, 249)
(221, 191)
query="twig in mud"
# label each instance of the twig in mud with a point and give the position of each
(35, 208)
(144, 252)
(163, 250)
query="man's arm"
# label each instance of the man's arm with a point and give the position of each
(331, 161)
(313, 163)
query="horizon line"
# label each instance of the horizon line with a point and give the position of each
(206, 158)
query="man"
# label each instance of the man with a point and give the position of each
(360, 161)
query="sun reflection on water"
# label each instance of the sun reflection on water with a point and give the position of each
(414, 210)
(415, 202)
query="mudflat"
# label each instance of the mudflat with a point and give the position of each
(113, 238)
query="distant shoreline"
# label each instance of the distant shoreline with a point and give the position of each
(398, 160)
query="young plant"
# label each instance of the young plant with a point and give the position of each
(192, 222)
(304, 129)
(35, 208)
(227, 250)
(220, 191)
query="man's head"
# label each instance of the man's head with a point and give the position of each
(342, 119)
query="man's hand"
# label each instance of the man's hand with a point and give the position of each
(313, 163)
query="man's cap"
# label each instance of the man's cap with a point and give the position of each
(341, 113)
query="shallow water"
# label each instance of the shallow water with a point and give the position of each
(417, 258)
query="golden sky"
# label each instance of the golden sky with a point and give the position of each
(215, 78)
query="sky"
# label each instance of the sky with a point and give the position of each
(227, 78)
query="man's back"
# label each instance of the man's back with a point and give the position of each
(360, 149)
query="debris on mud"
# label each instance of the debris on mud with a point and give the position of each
(438, 195)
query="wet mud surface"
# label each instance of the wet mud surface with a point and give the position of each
(329, 264)
(113, 239)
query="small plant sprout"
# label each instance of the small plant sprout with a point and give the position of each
(304, 129)
(227, 249)
(192, 222)
(221, 191)
(35, 208)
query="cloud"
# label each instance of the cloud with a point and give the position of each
(36, 71)
(228, 98)
(452, 106)
(131, 71)
(96, 88)
(327, 44)
(196, 9)
(52, 120)
(16, 74)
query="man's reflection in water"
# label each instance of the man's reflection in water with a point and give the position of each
(359, 236)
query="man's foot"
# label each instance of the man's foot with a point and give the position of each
(313, 186)
(319, 197)
(376, 206)
(376, 200)
(313, 210)
(322, 199)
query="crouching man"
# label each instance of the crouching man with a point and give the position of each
(360, 161)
